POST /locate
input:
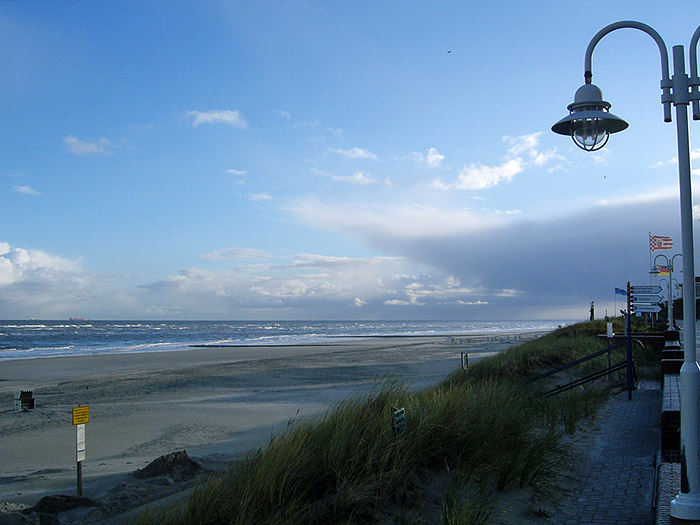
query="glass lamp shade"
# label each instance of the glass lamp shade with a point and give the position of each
(589, 122)
(590, 134)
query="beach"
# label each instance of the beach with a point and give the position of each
(216, 403)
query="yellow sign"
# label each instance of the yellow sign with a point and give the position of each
(81, 415)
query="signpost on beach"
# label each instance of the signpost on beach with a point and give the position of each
(81, 416)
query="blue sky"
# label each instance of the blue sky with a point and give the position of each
(327, 160)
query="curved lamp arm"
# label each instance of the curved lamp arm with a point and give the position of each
(666, 97)
(694, 80)
(664, 256)
(674, 258)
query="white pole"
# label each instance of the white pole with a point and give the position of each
(670, 294)
(686, 505)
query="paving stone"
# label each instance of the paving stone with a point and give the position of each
(616, 482)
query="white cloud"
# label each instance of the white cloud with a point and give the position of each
(397, 302)
(509, 292)
(657, 194)
(474, 177)
(27, 190)
(439, 184)
(238, 173)
(336, 132)
(433, 158)
(358, 177)
(19, 264)
(522, 153)
(84, 148)
(223, 116)
(503, 212)
(664, 163)
(257, 197)
(395, 220)
(526, 147)
(237, 253)
(523, 144)
(35, 283)
(356, 153)
(316, 281)
(694, 155)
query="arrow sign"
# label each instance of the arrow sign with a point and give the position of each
(646, 298)
(650, 289)
(651, 308)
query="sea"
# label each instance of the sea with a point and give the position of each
(42, 339)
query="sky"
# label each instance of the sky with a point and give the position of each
(328, 160)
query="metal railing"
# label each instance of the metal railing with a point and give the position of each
(591, 377)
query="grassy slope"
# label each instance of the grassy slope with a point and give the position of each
(486, 424)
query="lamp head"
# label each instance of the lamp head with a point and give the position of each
(589, 122)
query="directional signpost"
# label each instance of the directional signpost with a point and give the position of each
(645, 289)
(640, 299)
(643, 299)
(653, 299)
(647, 308)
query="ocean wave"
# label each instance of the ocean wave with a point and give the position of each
(32, 339)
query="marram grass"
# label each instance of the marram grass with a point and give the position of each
(347, 466)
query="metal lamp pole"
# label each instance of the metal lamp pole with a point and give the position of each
(590, 125)
(669, 265)
(669, 302)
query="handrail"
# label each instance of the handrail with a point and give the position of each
(592, 377)
(566, 366)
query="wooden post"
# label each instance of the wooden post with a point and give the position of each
(80, 478)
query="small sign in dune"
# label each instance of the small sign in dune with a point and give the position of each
(399, 420)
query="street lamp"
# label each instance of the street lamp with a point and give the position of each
(655, 270)
(670, 285)
(590, 124)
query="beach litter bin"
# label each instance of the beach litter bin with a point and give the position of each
(24, 400)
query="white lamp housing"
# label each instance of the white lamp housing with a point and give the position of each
(589, 122)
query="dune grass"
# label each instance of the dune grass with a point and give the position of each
(348, 466)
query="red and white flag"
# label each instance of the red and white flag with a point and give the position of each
(660, 242)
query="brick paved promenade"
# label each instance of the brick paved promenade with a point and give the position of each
(617, 474)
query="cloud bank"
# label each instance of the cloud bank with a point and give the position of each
(514, 268)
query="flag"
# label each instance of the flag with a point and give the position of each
(662, 270)
(660, 242)
(620, 291)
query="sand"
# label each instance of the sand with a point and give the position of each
(215, 403)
